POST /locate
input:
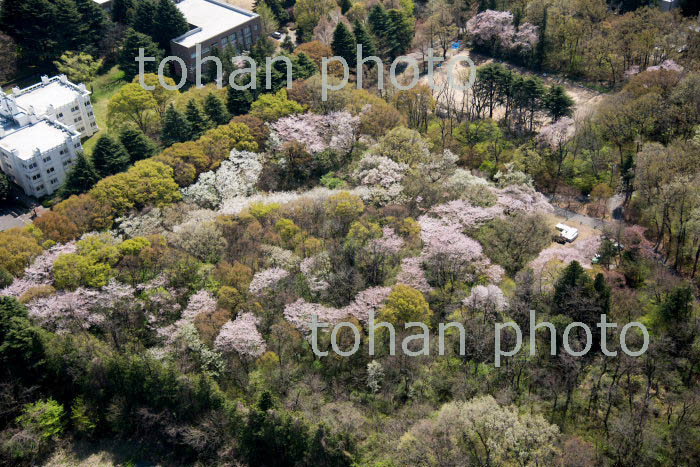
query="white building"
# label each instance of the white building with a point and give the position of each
(67, 102)
(40, 131)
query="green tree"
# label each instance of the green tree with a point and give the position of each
(133, 41)
(43, 418)
(405, 305)
(4, 186)
(133, 104)
(93, 23)
(399, 33)
(345, 6)
(287, 44)
(122, 11)
(199, 123)
(78, 67)
(109, 156)
(271, 107)
(238, 101)
(21, 348)
(362, 36)
(304, 67)
(32, 24)
(137, 144)
(80, 178)
(144, 16)
(344, 44)
(558, 103)
(169, 23)
(176, 127)
(216, 109)
(379, 21)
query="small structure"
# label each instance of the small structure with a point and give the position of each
(567, 234)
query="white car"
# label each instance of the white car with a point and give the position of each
(567, 233)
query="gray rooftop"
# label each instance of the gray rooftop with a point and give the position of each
(42, 135)
(210, 18)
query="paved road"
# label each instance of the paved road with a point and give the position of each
(16, 213)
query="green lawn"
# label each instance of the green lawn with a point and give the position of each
(103, 88)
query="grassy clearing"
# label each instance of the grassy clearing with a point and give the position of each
(103, 88)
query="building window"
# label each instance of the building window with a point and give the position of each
(54, 181)
(60, 115)
(81, 129)
(90, 114)
(36, 177)
(214, 45)
(40, 187)
(32, 166)
(47, 159)
(77, 146)
(62, 151)
(76, 120)
(50, 170)
(93, 124)
(224, 41)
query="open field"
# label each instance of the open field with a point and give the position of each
(103, 88)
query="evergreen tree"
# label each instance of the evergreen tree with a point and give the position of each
(109, 156)
(287, 44)
(379, 21)
(238, 102)
(70, 34)
(304, 67)
(137, 144)
(540, 52)
(362, 36)
(94, 22)
(80, 178)
(32, 25)
(558, 103)
(169, 23)
(122, 11)
(130, 50)
(216, 109)
(344, 44)
(399, 34)
(345, 6)
(144, 16)
(199, 123)
(176, 128)
(262, 49)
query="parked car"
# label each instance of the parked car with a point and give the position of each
(566, 234)
(276, 35)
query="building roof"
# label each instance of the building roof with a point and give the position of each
(210, 19)
(54, 91)
(43, 135)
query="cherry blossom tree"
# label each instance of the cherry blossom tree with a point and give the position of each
(300, 312)
(491, 27)
(201, 302)
(67, 311)
(267, 279)
(413, 275)
(488, 299)
(235, 177)
(336, 131)
(40, 272)
(242, 336)
(583, 251)
(557, 134)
